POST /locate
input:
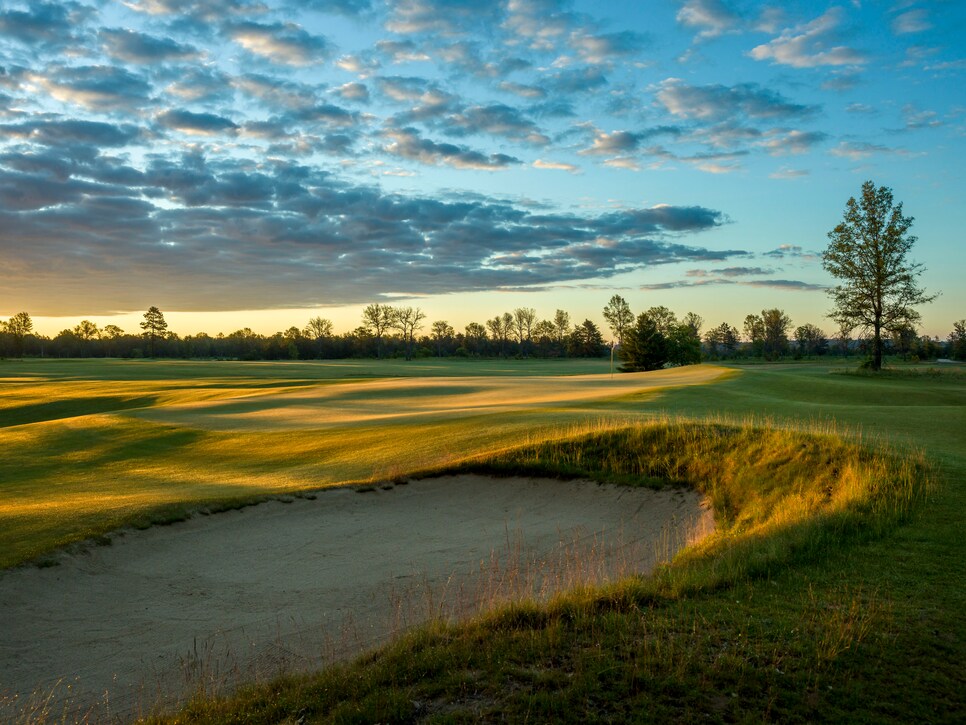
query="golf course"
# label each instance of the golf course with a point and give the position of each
(831, 587)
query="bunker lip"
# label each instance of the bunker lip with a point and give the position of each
(122, 630)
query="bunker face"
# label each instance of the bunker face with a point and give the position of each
(122, 629)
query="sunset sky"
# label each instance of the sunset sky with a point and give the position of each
(255, 163)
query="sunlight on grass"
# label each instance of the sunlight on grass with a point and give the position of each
(85, 455)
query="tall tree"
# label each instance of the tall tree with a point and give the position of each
(408, 320)
(645, 346)
(442, 330)
(500, 327)
(319, 328)
(18, 327)
(619, 317)
(475, 336)
(377, 319)
(154, 327)
(87, 330)
(754, 329)
(776, 325)
(663, 318)
(561, 323)
(524, 318)
(586, 340)
(868, 253)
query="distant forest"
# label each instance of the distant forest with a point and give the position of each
(654, 338)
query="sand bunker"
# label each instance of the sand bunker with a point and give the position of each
(120, 630)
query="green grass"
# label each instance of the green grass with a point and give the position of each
(833, 590)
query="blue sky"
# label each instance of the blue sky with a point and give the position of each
(254, 163)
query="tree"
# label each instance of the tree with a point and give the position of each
(18, 327)
(664, 319)
(619, 317)
(154, 327)
(868, 252)
(500, 327)
(722, 341)
(407, 320)
(475, 336)
(561, 324)
(377, 319)
(776, 324)
(754, 329)
(442, 330)
(957, 341)
(811, 340)
(684, 338)
(524, 318)
(319, 328)
(645, 347)
(87, 330)
(586, 340)
(683, 345)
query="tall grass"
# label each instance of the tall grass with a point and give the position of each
(779, 494)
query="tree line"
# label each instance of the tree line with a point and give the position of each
(650, 340)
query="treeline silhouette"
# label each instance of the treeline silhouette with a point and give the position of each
(394, 332)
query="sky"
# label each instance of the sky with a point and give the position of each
(255, 163)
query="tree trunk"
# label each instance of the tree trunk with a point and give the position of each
(877, 349)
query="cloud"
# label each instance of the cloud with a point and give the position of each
(712, 17)
(858, 150)
(785, 174)
(201, 85)
(716, 102)
(401, 51)
(285, 43)
(407, 144)
(808, 45)
(780, 284)
(100, 87)
(200, 124)
(135, 47)
(229, 235)
(74, 131)
(791, 251)
(349, 8)
(624, 142)
(353, 92)
(274, 92)
(441, 17)
(523, 90)
(912, 21)
(45, 24)
(555, 165)
(605, 47)
(918, 119)
(793, 142)
(496, 119)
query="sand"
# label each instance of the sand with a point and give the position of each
(122, 630)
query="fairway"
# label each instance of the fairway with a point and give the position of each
(92, 446)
